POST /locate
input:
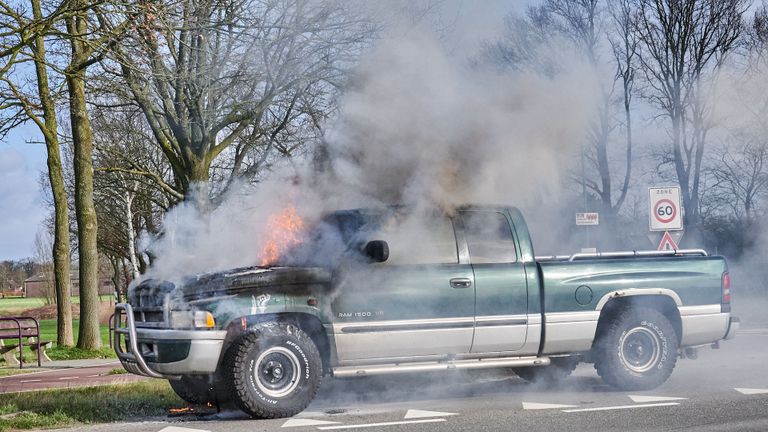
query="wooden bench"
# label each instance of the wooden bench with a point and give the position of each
(22, 331)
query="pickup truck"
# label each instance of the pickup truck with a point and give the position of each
(396, 290)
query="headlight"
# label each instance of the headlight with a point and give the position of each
(192, 319)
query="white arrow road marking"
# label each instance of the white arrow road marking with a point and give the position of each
(751, 391)
(296, 422)
(181, 429)
(394, 423)
(541, 406)
(647, 399)
(413, 414)
(610, 408)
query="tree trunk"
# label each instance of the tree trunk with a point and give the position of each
(131, 236)
(61, 258)
(82, 138)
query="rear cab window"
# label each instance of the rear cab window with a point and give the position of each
(489, 237)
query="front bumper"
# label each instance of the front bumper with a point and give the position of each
(164, 353)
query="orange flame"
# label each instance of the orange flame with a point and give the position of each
(283, 231)
(180, 410)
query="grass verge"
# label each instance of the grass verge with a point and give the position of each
(14, 370)
(66, 407)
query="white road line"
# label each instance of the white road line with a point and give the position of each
(610, 408)
(751, 391)
(414, 414)
(181, 429)
(541, 406)
(648, 399)
(395, 423)
(29, 381)
(63, 378)
(93, 376)
(296, 422)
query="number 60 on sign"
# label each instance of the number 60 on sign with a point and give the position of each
(665, 212)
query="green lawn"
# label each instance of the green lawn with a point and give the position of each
(67, 407)
(13, 306)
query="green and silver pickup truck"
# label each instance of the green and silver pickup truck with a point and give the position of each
(390, 291)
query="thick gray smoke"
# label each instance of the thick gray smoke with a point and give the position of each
(420, 124)
(417, 126)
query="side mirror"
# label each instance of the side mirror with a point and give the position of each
(376, 250)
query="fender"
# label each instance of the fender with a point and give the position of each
(630, 292)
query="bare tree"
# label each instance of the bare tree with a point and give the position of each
(683, 43)
(741, 180)
(226, 85)
(24, 43)
(582, 25)
(44, 259)
(625, 44)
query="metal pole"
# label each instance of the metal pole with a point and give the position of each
(584, 193)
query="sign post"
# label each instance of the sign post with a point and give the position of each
(665, 214)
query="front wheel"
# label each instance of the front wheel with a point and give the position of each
(273, 371)
(637, 351)
(193, 390)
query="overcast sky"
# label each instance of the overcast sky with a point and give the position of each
(21, 162)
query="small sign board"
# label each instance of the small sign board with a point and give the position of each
(667, 242)
(587, 219)
(665, 212)
(656, 237)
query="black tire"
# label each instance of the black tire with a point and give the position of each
(273, 371)
(637, 350)
(193, 390)
(559, 369)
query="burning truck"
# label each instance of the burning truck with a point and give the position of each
(398, 290)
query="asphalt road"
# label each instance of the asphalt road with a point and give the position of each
(725, 389)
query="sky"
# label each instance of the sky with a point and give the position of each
(22, 156)
(21, 201)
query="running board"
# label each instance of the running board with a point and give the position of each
(394, 368)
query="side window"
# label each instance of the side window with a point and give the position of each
(489, 237)
(414, 240)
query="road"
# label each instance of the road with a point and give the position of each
(725, 389)
(66, 378)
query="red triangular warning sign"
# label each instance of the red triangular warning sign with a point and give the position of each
(667, 242)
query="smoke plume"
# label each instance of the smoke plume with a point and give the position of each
(417, 126)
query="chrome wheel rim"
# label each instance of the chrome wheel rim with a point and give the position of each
(640, 349)
(277, 372)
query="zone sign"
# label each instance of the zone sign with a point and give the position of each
(665, 211)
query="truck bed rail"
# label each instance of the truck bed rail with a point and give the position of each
(623, 254)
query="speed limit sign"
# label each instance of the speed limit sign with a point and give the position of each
(665, 212)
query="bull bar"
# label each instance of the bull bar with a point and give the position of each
(130, 357)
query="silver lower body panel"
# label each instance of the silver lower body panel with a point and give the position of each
(395, 368)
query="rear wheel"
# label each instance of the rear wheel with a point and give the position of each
(637, 350)
(274, 371)
(559, 369)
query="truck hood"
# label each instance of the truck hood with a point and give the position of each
(250, 279)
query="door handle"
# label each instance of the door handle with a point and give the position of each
(460, 283)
